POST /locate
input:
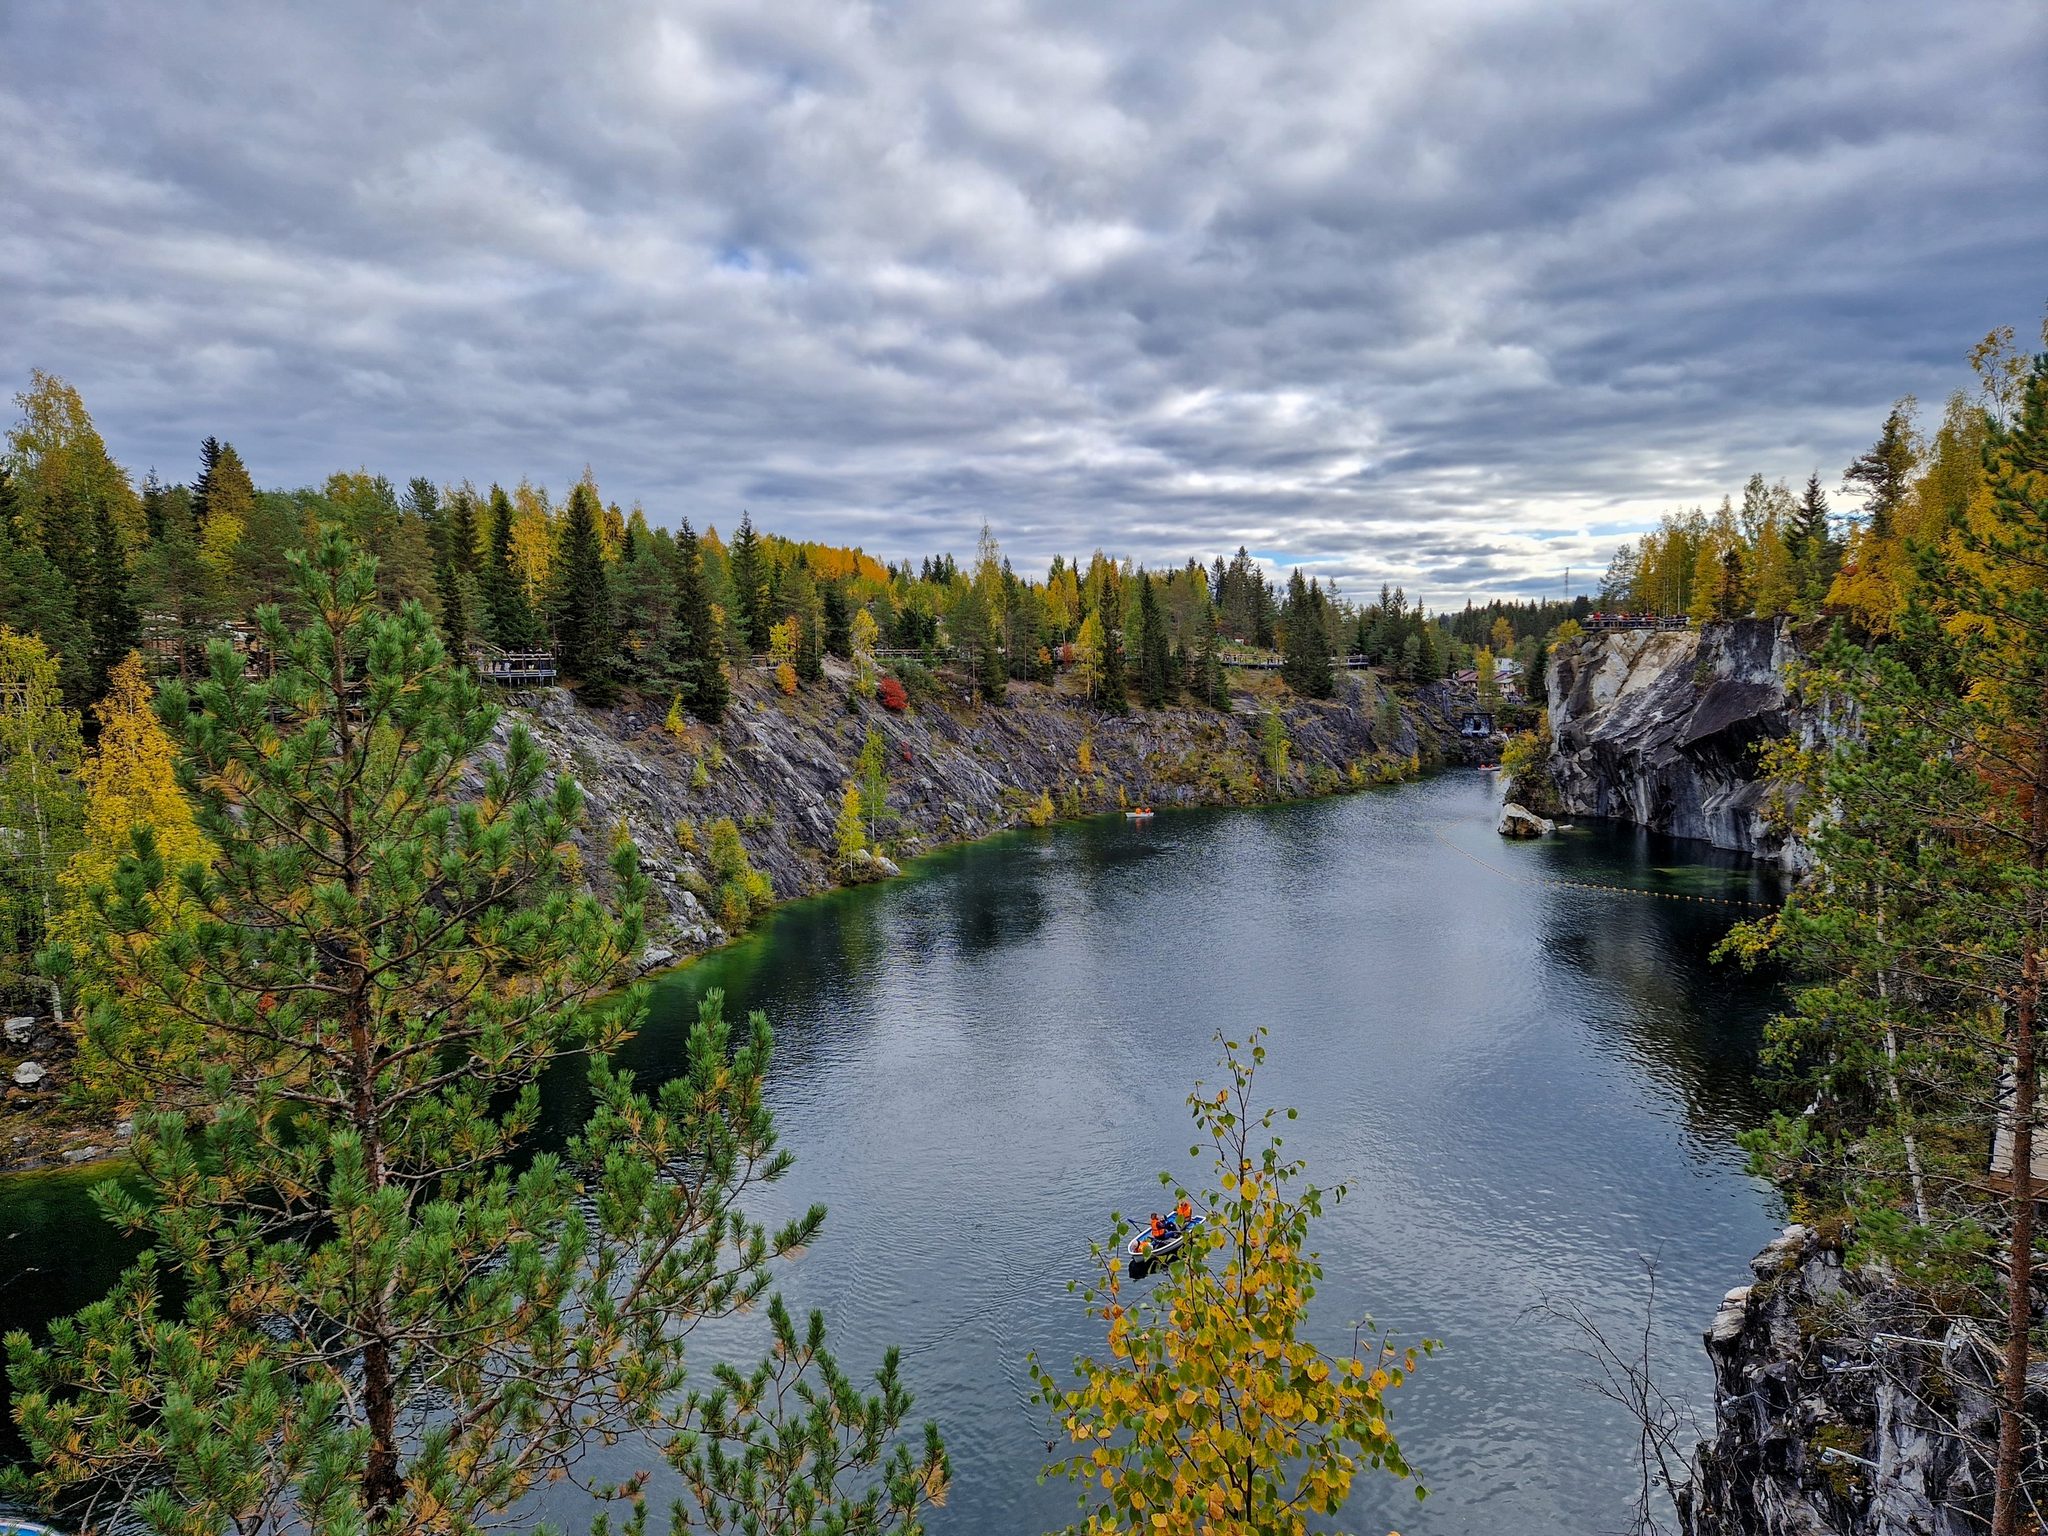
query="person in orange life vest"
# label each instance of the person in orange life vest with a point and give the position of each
(1158, 1229)
(1185, 1210)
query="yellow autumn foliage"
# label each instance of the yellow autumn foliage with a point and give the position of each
(1213, 1413)
(130, 783)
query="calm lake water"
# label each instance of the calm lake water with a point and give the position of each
(1527, 1087)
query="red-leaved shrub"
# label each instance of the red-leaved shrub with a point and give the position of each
(893, 696)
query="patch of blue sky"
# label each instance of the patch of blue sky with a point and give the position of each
(739, 258)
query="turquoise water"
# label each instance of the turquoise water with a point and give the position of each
(1526, 1085)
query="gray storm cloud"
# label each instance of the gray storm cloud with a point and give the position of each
(1433, 293)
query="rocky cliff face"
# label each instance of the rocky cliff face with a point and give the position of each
(1841, 1408)
(778, 766)
(1660, 728)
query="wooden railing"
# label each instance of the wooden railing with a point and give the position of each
(512, 667)
(1635, 621)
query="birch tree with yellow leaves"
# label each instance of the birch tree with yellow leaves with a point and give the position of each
(131, 789)
(1214, 1413)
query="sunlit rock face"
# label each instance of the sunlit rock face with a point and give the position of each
(1663, 729)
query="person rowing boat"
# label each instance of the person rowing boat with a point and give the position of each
(1161, 1238)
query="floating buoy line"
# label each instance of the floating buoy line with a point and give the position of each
(1590, 885)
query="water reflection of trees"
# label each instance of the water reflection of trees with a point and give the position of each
(1682, 1022)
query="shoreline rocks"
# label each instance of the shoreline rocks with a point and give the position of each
(1519, 823)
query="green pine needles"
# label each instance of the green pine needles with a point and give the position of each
(369, 1303)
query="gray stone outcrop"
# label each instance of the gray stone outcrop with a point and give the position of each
(1516, 822)
(1842, 1407)
(1662, 728)
(777, 766)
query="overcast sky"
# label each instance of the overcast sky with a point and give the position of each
(1447, 294)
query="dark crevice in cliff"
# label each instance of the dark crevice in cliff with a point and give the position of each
(1664, 729)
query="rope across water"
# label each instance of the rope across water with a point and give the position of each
(1589, 885)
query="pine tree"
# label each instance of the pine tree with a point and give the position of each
(508, 617)
(701, 640)
(749, 569)
(586, 623)
(1156, 680)
(392, 1312)
(1923, 933)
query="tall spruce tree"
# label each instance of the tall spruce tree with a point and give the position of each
(647, 615)
(750, 571)
(455, 621)
(799, 600)
(702, 640)
(586, 622)
(380, 1323)
(973, 627)
(1885, 470)
(1305, 655)
(1211, 686)
(458, 531)
(423, 500)
(1113, 692)
(1816, 553)
(111, 615)
(508, 617)
(838, 620)
(154, 498)
(1156, 681)
(202, 488)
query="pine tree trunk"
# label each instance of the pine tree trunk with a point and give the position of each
(2005, 1515)
(383, 1484)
